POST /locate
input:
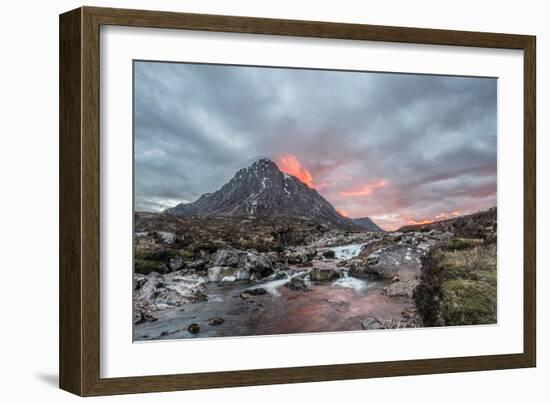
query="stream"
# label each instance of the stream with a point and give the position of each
(330, 306)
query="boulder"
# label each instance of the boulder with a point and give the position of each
(235, 264)
(226, 257)
(197, 264)
(226, 274)
(176, 263)
(396, 260)
(167, 237)
(252, 292)
(371, 323)
(299, 255)
(359, 269)
(323, 274)
(158, 291)
(401, 288)
(194, 328)
(329, 254)
(297, 284)
(412, 238)
(142, 313)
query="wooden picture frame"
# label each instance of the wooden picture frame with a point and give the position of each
(79, 346)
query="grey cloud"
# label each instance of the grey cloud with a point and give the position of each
(431, 138)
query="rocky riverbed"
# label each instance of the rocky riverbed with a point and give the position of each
(327, 281)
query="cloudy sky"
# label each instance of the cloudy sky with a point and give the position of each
(398, 148)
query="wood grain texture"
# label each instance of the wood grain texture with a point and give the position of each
(70, 271)
(80, 200)
(530, 202)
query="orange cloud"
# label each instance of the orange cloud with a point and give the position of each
(342, 212)
(451, 214)
(419, 222)
(438, 217)
(365, 189)
(289, 164)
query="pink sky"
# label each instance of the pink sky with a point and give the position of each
(360, 196)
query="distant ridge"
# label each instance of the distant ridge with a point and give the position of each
(468, 225)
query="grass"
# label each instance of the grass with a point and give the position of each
(143, 266)
(459, 284)
(463, 243)
(468, 302)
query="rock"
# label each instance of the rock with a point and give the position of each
(215, 321)
(277, 276)
(142, 313)
(197, 265)
(401, 288)
(372, 259)
(158, 291)
(299, 255)
(371, 323)
(329, 254)
(138, 283)
(395, 279)
(297, 284)
(226, 257)
(337, 237)
(235, 265)
(167, 237)
(410, 238)
(225, 274)
(175, 263)
(323, 274)
(394, 236)
(194, 328)
(392, 261)
(142, 266)
(252, 292)
(359, 269)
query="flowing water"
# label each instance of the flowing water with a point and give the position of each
(337, 305)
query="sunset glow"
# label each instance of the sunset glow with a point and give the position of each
(289, 164)
(365, 189)
(342, 212)
(444, 216)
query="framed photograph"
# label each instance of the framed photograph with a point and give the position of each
(249, 201)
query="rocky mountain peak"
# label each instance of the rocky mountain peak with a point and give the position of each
(262, 190)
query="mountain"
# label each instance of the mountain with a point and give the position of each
(367, 224)
(262, 190)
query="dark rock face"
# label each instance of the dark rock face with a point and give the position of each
(368, 224)
(262, 190)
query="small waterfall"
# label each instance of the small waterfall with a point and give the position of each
(273, 286)
(346, 252)
(346, 281)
